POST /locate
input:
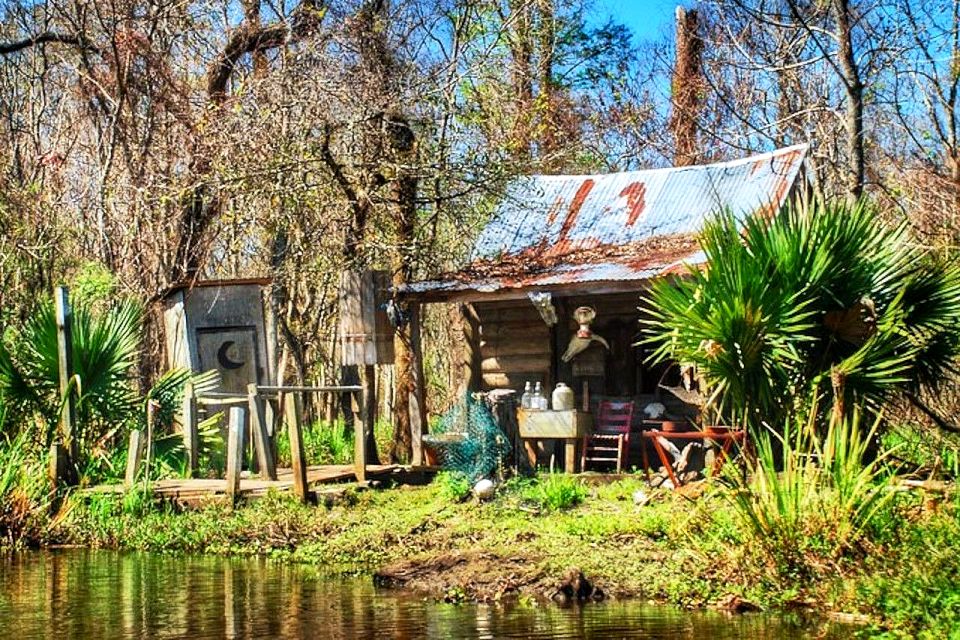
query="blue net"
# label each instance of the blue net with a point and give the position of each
(467, 440)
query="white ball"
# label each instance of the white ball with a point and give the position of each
(483, 490)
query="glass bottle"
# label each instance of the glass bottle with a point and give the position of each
(525, 399)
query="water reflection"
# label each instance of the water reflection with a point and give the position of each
(90, 594)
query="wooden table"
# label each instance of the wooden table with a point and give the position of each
(728, 437)
(568, 426)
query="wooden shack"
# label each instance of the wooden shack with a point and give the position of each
(223, 325)
(595, 241)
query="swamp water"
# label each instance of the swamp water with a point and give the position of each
(63, 595)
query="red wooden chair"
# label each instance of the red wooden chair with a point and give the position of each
(610, 440)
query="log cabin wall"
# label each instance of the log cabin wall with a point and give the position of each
(620, 372)
(515, 346)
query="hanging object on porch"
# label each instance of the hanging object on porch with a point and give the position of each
(543, 301)
(584, 336)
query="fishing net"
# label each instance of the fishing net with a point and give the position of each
(467, 440)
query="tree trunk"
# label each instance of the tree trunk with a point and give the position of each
(549, 142)
(853, 85)
(687, 88)
(521, 74)
(404, 199)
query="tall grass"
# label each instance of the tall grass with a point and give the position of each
(810, 498)
(23, 493)
(323, 443)
(556, 491)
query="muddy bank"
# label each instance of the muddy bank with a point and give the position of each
(487, 577)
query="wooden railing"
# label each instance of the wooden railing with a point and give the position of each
(252, 410)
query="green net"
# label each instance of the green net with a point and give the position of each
(467, 440)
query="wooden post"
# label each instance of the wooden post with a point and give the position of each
(418, 412)
(258, 427)
(369, 417)
(59, 466)
(152, 406)
(293, 415)
(191, 435)
(271, 411)
(503, 405)
(134, 454)
(235, 439)
(68, 417)
(472, 379)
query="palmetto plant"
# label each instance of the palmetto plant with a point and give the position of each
(105, 349)
(824, 298)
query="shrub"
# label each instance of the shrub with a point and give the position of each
(453, 485)
(824, 298)
(810, 498)
(556, 492)
(23, 489)
(914, 589)
(322, 443)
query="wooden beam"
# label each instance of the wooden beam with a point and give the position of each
(235, 439)
(68, 415)
(571, 288)
(152, 407)
(293, 415)
(261, 440)
(327, 389)
(514, 364)
(191, 434)
(134, 455)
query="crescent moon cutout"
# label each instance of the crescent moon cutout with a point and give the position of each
(224, 359)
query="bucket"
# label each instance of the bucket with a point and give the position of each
(674, 426)
(435, 444)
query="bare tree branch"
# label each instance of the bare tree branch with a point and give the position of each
(8, 48)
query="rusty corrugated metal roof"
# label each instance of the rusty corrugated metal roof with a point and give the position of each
(552, 230)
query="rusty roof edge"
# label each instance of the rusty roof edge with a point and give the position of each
(491, 284)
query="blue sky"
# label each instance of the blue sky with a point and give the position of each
(646, 18)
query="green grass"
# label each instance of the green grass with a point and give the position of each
(323, 443)
(914, 591)
(452, 485)
(331, 443)
(556, 491)
(23, 493)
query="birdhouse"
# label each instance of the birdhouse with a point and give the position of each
(222, 325)
(366, 332)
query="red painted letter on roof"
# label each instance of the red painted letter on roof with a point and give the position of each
(635, 193)
(574, 210)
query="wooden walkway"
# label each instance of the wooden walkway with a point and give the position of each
(195, 488)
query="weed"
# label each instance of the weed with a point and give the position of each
(452, 486)
(23, 500)
(556, 492)
(322, 443)
(138, 501)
